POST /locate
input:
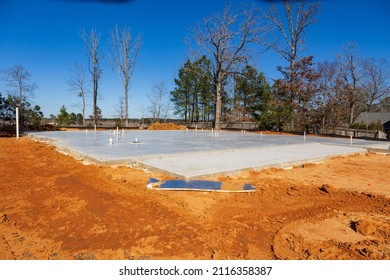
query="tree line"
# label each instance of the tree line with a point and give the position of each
(219, 82)
(21, 89)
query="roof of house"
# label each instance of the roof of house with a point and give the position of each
(367, 117)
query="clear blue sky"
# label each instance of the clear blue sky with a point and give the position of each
(43, 36)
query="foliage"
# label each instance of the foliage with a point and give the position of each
(252, 94)
(65, 118)
(297, 93)
(193, 96)
(29, 115)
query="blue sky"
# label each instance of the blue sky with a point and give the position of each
(43, 36)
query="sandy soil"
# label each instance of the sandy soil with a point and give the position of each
(55, 207)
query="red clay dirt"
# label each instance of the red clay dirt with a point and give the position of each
(53, 206)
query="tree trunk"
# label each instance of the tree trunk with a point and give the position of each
(83, 109)
(95, 92)
(218, 101)
(127, 102)
(352, 112)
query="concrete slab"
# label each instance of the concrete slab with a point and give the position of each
(203, 165)
(196, 154)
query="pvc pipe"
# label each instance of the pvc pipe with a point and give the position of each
(17, 123)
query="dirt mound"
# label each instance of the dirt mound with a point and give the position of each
(346, 236)
(166, 126)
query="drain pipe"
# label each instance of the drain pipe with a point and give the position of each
(17, 123)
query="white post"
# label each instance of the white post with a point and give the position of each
(350, 140)
(261, 135)
(17, 123)
(110, 141)
(94, 128)
(304, 136)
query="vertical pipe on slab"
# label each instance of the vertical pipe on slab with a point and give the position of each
(304, 136)
(350, 140)
(17, 123)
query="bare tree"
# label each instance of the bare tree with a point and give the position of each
(18, 80)
(91, 41)
(225, 39)
(124, 52)
(377, 83)
(290, 28)
(159, 100)
(77, 84)
(120, 109)
(350, 80)
(331, 105)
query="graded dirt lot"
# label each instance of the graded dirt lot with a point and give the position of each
(53, 206)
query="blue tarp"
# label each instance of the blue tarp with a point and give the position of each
(202, 185)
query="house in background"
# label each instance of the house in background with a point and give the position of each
(368, 118)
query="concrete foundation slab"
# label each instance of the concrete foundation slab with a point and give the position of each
(195, 154)
(201, 165)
